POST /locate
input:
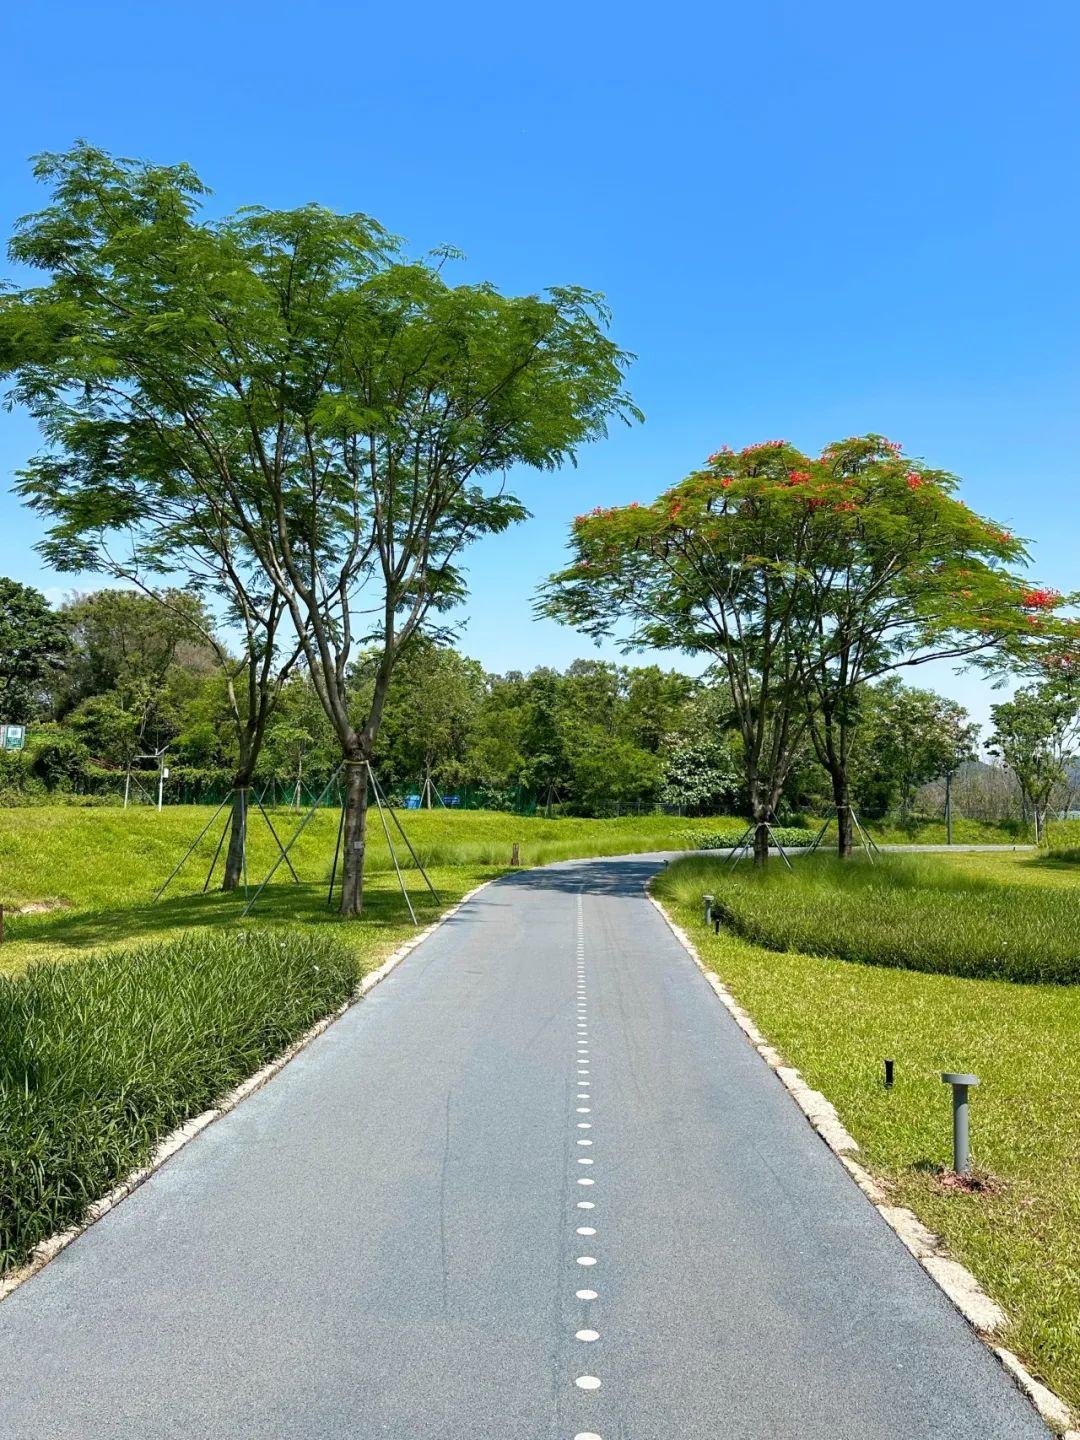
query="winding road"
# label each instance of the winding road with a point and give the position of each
(537, 1186)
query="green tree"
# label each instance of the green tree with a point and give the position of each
(904, 738)
(347, 413)
(430, 710)
(703, 771)
(1037, 735)
(33, 643)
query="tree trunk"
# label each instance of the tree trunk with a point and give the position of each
(761, 843)
(845, 828)
(234, 858)
(948, 807)
(354, 838)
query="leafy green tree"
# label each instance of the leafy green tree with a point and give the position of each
(703, 770)
(1037, 735)
(904, 738)
(495, 753)
(344, 411)
(430, 709)
(33, 643)
(300, 742)
(134, 663)
(606, 769)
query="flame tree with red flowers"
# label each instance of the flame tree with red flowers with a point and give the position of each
(805, 578)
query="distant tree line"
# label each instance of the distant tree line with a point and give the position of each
(115, 678)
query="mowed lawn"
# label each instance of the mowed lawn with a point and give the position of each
(839, 1019)
(89, 875)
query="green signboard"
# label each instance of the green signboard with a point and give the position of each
(12, 737)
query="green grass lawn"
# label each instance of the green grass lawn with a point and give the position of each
(838, 1021)
(99, 868)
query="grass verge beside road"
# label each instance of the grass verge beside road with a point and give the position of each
(89, 874)
(837, 1021)
(99, 1061)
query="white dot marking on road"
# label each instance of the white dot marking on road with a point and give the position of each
(586, 1205)
(586, 1230)
(586, 1435)
(587, 1335)
(586, 1181)
(587, 1382)
(586, 1294)
(584, 1125)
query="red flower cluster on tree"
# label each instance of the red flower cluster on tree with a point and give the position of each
(718, 454)
(914, 481)
(798, 477)
(763, 445)
(1043, 599)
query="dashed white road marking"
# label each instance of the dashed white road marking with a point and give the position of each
(584, 1382)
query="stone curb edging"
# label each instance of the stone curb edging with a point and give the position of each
(48, 1249)
(960, 1286)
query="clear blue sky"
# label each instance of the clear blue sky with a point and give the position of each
(810, 220)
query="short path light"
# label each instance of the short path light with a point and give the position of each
(960, 1085)
(708, 908)
(889, 1069)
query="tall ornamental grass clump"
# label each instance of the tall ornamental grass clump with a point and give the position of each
(917, 914)
(100, 1060)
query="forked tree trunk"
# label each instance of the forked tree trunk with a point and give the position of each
(234, 857)
(354, 838)
(761, 843)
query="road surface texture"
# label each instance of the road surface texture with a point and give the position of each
(537, 1186)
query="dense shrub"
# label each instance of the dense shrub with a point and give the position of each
(99, 1060)
(716, 839)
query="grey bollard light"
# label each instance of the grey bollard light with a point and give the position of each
(708, 908)
(960, 1085)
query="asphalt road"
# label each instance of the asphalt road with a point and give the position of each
(537, 1186)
